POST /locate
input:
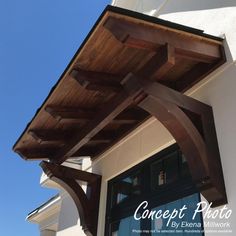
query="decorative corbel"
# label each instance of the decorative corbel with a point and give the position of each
(87, 203)
(191, 123)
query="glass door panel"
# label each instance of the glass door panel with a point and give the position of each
(161, 226)
(125, 227)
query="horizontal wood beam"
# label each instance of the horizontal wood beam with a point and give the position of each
(93, 141)
(87, 151)
(69, 113)
(105, 134)
(78, 115)
(97, 81)
(50, 136)
(150, 38)
(164, 93)
(66, 172)
(43, 153)
(61, 137)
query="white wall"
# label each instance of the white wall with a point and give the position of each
(69, 223)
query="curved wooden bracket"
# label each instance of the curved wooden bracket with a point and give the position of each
(87, 203)
(191, 123)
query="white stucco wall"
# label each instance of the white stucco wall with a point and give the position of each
(69, 223)
(219, 90)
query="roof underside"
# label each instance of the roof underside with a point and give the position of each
(121, 42)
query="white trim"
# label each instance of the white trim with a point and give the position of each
(35, 215)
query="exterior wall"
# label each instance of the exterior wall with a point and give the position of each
(69, 223)
(214, 17)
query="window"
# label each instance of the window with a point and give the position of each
(164, 181)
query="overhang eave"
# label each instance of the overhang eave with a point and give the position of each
(130, 68)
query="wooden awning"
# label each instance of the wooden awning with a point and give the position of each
(120, 42)
(129, 68)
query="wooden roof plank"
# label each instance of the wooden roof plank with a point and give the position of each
(104, 117)
(90, 86)
(146, 37)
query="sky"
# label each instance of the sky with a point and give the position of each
(38, 38)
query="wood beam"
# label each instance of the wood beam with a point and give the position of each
(164, 93)
(105, 134)
(78, 115)
(103, 118)
(185, 134)
(158, 66)
(67, 172)
(162, 59)
(43, 153)
(69, 113)
(87, 203)
(198, 142)
(174, 110)
(50, 136)
(87, 151)
(61, 137)
(97, 81)
(150, 38)
(93, 142)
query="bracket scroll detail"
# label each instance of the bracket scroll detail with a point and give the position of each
(87, 203)
(191, 123)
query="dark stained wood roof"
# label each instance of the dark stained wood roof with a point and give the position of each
(85, 112)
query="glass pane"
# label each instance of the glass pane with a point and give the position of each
(126, 188)
(165, 171)
(161, 226)
(125, 227)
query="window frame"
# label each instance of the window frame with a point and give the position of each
(169, 192)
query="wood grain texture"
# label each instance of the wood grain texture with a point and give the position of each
(128, 59)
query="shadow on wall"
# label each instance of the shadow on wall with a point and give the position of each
(228, 54)
(68, 215)
(170, 6)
